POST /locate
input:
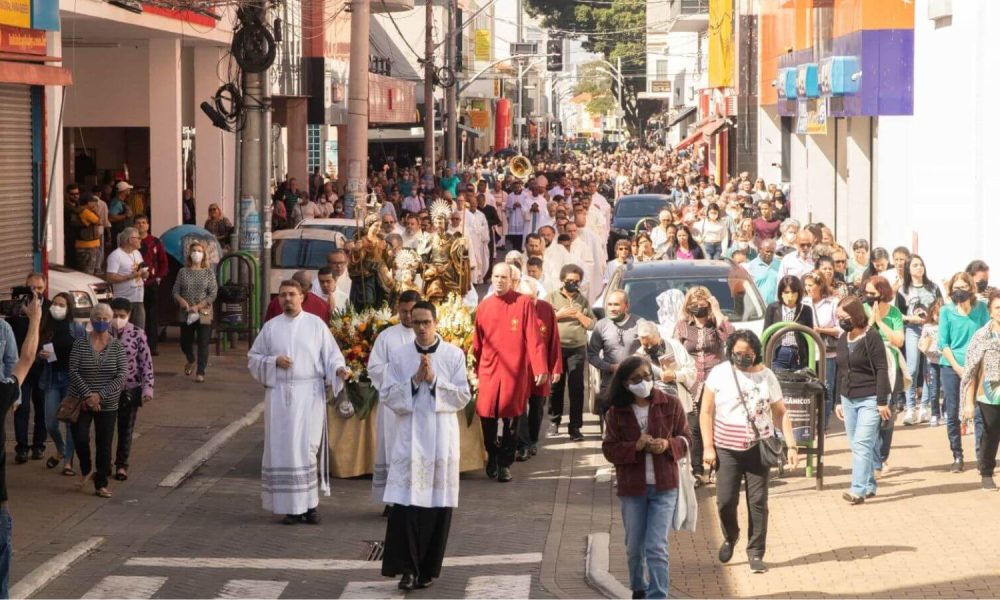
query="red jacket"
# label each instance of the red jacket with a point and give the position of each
(313, 304)
(155, 257)
(549, 331)
(621, 431)
(508, 349)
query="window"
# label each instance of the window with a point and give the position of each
(661, 69)
(314, 147)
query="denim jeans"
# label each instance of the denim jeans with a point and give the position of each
(713, 250)
(862, 421)
(914, 361)
(932, 387)
(55, 390)
(950, 382)
(831, 389)
(6, 546)
(647, 521)
(786, 358)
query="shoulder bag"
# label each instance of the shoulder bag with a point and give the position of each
(69, 408)
(771, 452)
(686, 513)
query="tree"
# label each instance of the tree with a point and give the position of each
(598, 84)
(611, 28)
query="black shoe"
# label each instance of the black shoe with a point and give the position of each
(424, 582)
(522, 455)
(503, 475)
(311, 517)
(407, 582)
(852, 499)
(638, 594)
(989, 485)
(20, 457)
(726, 551)
(575, 435)
(385, 511)
(533, 450)
(491, 468)
(292, 520)
(956, 467)
(757, 565)
(37, 454)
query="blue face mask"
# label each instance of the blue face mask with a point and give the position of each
(100, 326)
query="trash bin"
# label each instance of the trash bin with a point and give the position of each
(804, 395)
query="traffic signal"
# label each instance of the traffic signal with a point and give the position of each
(554, 48)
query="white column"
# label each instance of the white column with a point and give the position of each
(214, 149)
(859, 180)
(821, 178)
(54, 165)
(165, 133)
(769, 145)
(798, 179)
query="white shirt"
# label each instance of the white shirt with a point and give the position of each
(124, 263)
(760, 390)
(791, 264)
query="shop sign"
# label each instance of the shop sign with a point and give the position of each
(660, 86)
(483, 45)
(812, 117)
(479, 119)
(16, 13)
(22, 41)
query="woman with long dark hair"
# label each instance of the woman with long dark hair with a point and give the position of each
(915, 297)
(58, 332)
(685, 247)
(877, 265)
(792, 352)
(645, 434)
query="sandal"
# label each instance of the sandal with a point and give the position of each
(52, 462)
(121, 474)
(189, 368)
(83, 480)
(68, 471)
(103, 493)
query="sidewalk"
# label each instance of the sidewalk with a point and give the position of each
(928, 534)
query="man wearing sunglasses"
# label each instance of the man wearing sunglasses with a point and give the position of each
(799, 262)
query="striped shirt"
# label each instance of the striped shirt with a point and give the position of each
(102, 373)
(732, 430)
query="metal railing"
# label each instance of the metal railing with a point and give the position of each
(693, 7)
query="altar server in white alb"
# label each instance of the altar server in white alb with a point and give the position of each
(295, 357)
(387, 342)
(425, 385)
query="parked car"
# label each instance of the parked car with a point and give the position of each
(345, 227)
(85, 290)
(297, 249)
(629, 211)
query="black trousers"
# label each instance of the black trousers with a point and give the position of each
(697, 444)
(204, 333)
(32, 399)
(574, 363)
(500, 445)
(128, 409)
(104, 435)
(734, 467)
(530, 426)
(149, 300)
(991, 438)
(415, 541)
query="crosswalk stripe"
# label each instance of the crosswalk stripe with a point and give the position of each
(253, 588)
(373, 590)
(498, 586)
(120, 586)
(310, 564)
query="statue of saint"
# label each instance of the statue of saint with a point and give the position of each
(446, 259)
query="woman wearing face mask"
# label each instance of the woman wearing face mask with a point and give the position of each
(711, 233)
(703, 331)
(743, 240)
(887, 321)
(958, 322)
(194, 292)
(739, 393)
(58, 332)
(917, 293)
(138, 380)
(789, 230)
(981, 391)
(823, 302)
(864, 394)
(645, 433)
(791, 354)
(97, 377)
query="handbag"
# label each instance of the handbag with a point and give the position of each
(69, 409)
(772, 453)
(686, 512)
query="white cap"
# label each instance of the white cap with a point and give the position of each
(122, 186)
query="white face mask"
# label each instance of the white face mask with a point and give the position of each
(196, 257)
(642, 389)
(58, 312)
(119, 323)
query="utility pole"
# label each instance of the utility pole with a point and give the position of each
(429, 87)
(451, 93)
(621, 98)
(520, 79)
(357, 109)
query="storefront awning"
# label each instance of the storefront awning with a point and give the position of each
(707, 129)
(34, 74)
(393, 134)
(687, 112)
(473, 133)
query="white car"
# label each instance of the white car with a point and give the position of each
(85, 290)
(300, 249)
(345, 228)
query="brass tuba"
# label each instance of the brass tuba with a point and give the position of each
(520, 167)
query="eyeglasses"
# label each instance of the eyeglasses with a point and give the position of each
(807, 245)
(840, 262)
(421, 322)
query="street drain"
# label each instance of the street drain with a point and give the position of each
(374, 550)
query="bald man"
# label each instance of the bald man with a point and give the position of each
(799, 262)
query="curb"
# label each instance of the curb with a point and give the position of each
(52, 568)
(200, 456)
(597, 567)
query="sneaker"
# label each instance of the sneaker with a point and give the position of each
(726, 551)
(958, 466)
(20, 457)
(989, 485)
(908, 417)
(575, 435)
(503, 475)
(638, 594)
(935, 421)
(757, 565)
(923, 416)
(852, 499)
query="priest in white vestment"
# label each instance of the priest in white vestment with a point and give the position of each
(424, 385)
(592, 257)
(295, 357)
(388, 341)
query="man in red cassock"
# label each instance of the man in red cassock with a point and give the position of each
(312, 303)
(529, 426)
(510, 357)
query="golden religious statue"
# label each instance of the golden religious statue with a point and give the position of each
(446, 258)
(371, 279)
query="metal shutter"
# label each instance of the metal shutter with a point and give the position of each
(16, 219)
